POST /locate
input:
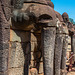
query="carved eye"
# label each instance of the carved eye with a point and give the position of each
(45, 17)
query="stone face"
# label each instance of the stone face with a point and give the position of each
(48, 43)
(20, 36)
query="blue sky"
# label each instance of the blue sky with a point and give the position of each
(65, 6)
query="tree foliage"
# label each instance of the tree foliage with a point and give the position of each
(72, 21)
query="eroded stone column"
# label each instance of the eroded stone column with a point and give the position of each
(73, 44)
(48, 43)
(58, 52)
(64, 50)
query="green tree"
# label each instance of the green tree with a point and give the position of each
(71, 20)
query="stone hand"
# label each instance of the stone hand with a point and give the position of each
(19, 16)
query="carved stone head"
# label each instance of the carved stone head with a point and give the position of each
(65, 17)
(58, 15)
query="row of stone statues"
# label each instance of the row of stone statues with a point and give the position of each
(53, 28)
(39, 16)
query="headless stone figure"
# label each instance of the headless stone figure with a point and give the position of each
(65, 45)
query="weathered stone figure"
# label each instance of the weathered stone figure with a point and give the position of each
(72, 35)
(5, 13)
(65, 44)
(61, 32)
(37, 12)
(73, 45)
(58, 45)
(58, 41)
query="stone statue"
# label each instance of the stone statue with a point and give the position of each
(60, 35)
(72, 35)
(63, 64)
(59, 41)
(38, 14)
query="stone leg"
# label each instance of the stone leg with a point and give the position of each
(48, 43)
(63, 61)
(58, 52)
